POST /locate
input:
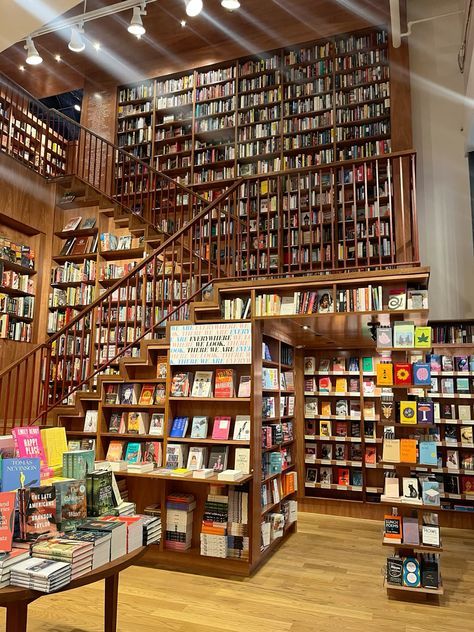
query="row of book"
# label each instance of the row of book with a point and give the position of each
(19, 254)
(277, 488)
(9, 279)
(79, 246)
(109, 241)
(72, 272)
(275, 524)
(271, 382)
(353, 452)
(11, 329)
(343, 476)
(343, 408)
(201, 383)
(224, 527)
(21, 306)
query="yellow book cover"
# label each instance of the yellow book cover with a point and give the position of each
(408, 412)
(408, 450)
(423, 337)
(384, 374)
(55, 445)
(391, 450)
(341, 385)
(326, 409)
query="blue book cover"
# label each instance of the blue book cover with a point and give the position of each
(425, 411)
(20, 472)
(275, 462)
(428, 453)
(431, 493)
(133, 453)
(422, 373)
(180, 425)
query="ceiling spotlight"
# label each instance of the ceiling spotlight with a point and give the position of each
(22, 68)
(136, 25)
(32, 57)
(193, 7)
(230, 5)
(96, 45)
(77, 107)
(183, 23)
(57, 58)
(305, 327)
(76, 43)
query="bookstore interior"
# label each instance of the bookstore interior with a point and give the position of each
(236, 315)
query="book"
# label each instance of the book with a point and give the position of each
(384, 337)
(452, 459)
(55, 444)
(430, 493)
(175, 456)
(403, 334)
(71, 503)
(129, 394)
(325, 428)
(423, 337)
(146, 395)
(242, 428)
(117, 422)
(467, 435)
(202, 384)
(393, 529)
(19, 472)
(343, 476)
(391, 450)
(196, 458)
(411, 532)
(7, 518)
(218, 458)
(245, 384)
(397, 299)
(159, 398)
(111, 394)
(88, 222)
(224, 385)
(138, 423)
(325, 408)
(37, 511)
(72, 224)
(421, 374)
(270, 379)
(157, 424)
(425, 411)
(325, 475)
(181, 385)
(428, 453)
(152, 453)
(221, 428)
(199, 427)
(242, 460)
(408, 412)
(90, 421)
(115, 451)
(28, 443)
(407, 450)
(384, 374)
(133, 452)
(403, 373)
(411, 492)
(310, 365)
(179, 427)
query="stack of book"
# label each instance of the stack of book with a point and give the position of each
(41, 575)
(214, 524)
(179, 521)
(78, 554)
(100, 541)
(37, 512)
(237, 526)
(117, 531)
(8, 561)
(151, 529)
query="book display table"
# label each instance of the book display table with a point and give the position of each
(16, 600)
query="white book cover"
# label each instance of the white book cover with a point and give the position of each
(196, 458)
(242, 428)
(202, 385)
(242, 460)
(90, 421)
(42, 569)
(199, 427)
(157, 424)
(309, 365)
(411, 493)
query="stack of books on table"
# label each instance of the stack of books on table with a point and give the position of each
(134, 529)
(78, 554)
(40, 574)
(214, 525)
(151, 529)
(125, 509)
(7, 562)
(99, 540)
(179, 521)
(141, 467)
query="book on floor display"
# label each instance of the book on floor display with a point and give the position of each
(19, 472)
(28, 443)
(37, 511)
(7, 518)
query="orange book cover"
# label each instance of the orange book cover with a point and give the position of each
(384, 374)
(408, 450)
(326, 409)
(146, 396)
(224, 385)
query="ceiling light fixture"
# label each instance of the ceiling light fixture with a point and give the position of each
(57, 58)
(136, 25)
(76, 43)
(230, 5)
(96, 45)
(22, 68)
(77, 107)
(183, 23)
(193, 7)
(32, 56)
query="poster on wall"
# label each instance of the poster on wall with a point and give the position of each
(221, 343)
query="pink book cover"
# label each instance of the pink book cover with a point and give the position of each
(28, 443)
(7, 516)
(221, 428)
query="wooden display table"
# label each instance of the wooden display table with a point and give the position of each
(16, 600)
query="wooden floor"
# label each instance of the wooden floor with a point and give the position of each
(325, 578)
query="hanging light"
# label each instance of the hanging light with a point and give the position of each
(76, 43)
(230, 5)
(136, 25)
(32, 56)
(193, 7)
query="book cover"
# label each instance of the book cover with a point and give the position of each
(111, 394)
(461, 363)
(146, 395)
(245, 384)
(343, 476)
(452, 459)
(221, 428)
(393, 529)
(340, 452)
(341, 385)
(467, 484)
(7, 518)
(37, 511)
(423, 337)
(370, 455)
(434, 360)
(408, 450)
(129, 394)
(102, 498)
(425, 411)
(311, 475)
(408, 412)
(19, 472)
(384, 337)
(325, 475)
(339, 364)
(428, 453)
(447, 363)
(55, 444)
(242, 428)
(28, 443)
(403, 334)
(367, 364)
(326, 451)
(325, 301)
(202, 384)
(196, 458)
(397, 299)
(391, 450)
(467, 435)
(341, 429)
(80, 246)
(152, 453)
(421, 374)
(218, 458)
(324, 385)
(133, 452)
(90, 421)
(403, 374)
(72, 224)
(115, 451)
(180, 385)
(354, 409)
(411, 493)
(175, 456)
(224, 386)
(310, 365)
(157, 424)
(411, 533)
(199, 428)
(270, 379)
(342, 408)
(325, 428)
(324, 365)
(242, 460)
(384, 374)
(179, 427)
(430, 493)
(159, 398)
(325, 409)
(117, 423)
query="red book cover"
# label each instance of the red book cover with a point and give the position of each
(403, 373)
(343, 476)
(467, 485)
(224, 385)
(7, 516)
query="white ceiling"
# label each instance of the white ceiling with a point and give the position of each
(22, 17)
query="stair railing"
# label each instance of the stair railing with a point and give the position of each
(156, 292)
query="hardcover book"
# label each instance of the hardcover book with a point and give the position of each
(411, 492)
(242, 460)
(408, 412)
(199, 428)
(430, 491)
(407, 450)
(196, 458)
(224, 386)
(129, 394)
(7, 517)
(393, 529)
(37, 506)
(423, 337)
(18, 473)
(28, 443)
(90, 421)
(422, 374)
(146, 395)
(221, 428)
(425, 411)
(403, 374)
(242, 428)
(157, 424)
(310, 366)
(218, 458)
(384, 374)
(391, 450)
(244, 386)
(115, 451)
(403, 334)
(202, 385)
(133, 452)
(428, 453)
(181, 385)
(179, 427)
(152, 453)
(384, 337)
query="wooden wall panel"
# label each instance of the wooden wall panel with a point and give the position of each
(29, 199)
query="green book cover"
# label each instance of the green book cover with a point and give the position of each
(367, 365)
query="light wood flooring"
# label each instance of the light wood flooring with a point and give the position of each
(326, 578)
